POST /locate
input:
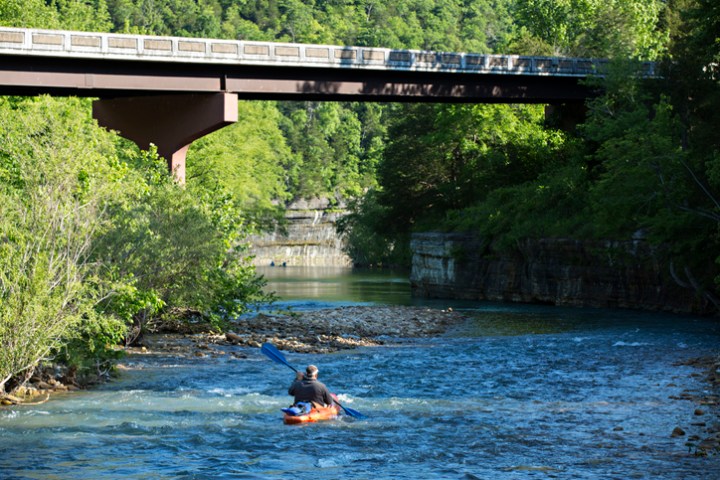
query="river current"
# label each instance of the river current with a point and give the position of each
(516, 392)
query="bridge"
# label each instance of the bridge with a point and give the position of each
(169, 91)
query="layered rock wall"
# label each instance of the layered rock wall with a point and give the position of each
(550, 271)
(310, 238)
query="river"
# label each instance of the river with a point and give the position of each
(517, 392)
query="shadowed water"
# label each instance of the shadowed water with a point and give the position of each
(516, 392)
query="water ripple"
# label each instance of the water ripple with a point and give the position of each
(513, 394)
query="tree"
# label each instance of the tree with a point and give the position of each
(28, 14)
(88, 16)
(594, 28)
(249, 158)
(443, 157)
(694, 85)
(95, 236)
(51, 195)
(327, 139)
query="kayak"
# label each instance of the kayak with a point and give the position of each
(317, 414)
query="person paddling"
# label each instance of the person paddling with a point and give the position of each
(270, 351)
(309, 391)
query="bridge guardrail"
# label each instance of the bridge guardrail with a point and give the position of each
(63, 43)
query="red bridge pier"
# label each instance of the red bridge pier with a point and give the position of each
(170, 122)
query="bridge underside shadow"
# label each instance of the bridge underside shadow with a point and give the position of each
(172, 122)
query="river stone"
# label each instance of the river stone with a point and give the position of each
(677, 432)
(21, 391)
(233, 337)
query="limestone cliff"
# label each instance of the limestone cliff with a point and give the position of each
(310, 238)
(550, 271)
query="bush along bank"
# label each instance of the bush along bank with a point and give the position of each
(97, 241)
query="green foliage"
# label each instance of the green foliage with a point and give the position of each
(694, 88)
(638, 151)
(96, 237)
(596, 28)
(335, 154)
(369, 242)
(84, 15)
(178, 247)
(553, 205)
(93, 345)
(443, 157)
(201, 18)
(28, 14)
(249, 158)
(51, 208)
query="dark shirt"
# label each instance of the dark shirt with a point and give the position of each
(310, 390)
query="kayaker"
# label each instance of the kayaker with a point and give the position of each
(307, 388)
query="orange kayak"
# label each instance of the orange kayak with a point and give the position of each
(315, 415)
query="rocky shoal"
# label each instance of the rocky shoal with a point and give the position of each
(308, 332)
(340, 328)
(322, 331)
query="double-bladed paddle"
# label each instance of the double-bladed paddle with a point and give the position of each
(276, 356)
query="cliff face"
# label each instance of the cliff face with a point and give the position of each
(551, 271)
(311, 238)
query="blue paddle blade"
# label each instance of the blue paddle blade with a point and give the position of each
(275, 355)
(352, 413)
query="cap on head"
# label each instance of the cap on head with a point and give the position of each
(311, 371)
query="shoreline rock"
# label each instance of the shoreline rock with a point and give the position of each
(704, 428)
(44, 383)
(705, 423)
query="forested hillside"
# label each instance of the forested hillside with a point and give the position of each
(98, 243)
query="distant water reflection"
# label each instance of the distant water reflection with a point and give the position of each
(338, 285)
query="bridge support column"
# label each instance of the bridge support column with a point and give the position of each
(565, 116)
(171, 122)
